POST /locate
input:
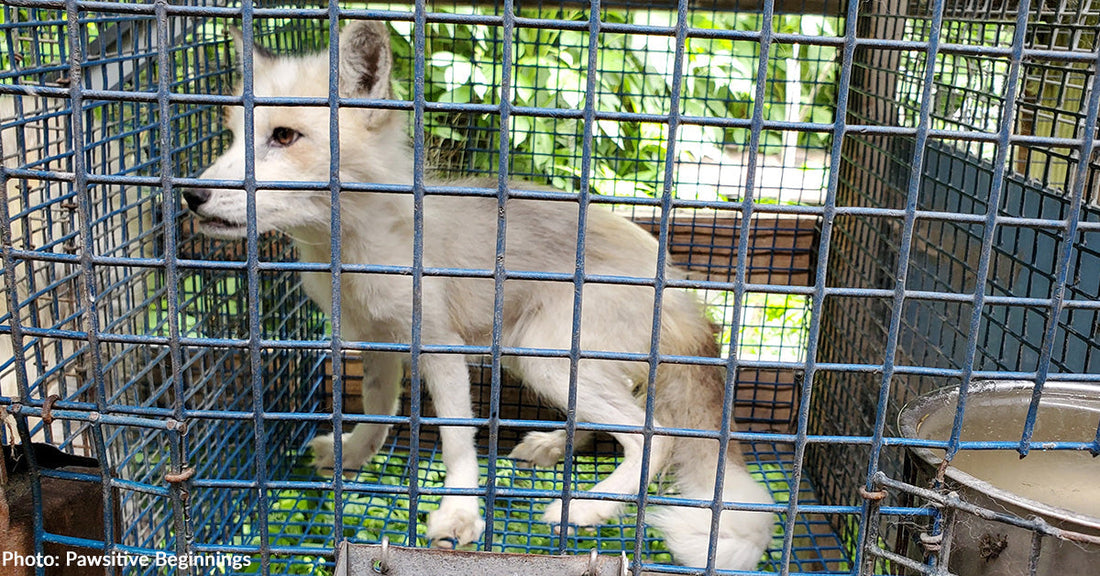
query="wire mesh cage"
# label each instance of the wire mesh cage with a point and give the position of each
(872, 200)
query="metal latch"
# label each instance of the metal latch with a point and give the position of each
(374, 559)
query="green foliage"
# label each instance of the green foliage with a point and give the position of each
(967, 91)
(634, 73)
(46, 46)
(774, 327)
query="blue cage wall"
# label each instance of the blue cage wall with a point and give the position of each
(92, 229)
(166, 358)
(1037, 268)
(155, 364)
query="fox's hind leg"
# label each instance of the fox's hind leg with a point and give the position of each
(382, 386)
(546, 449)
(604, 396)
(382, 374)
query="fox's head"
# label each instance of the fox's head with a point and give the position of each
(292, 143)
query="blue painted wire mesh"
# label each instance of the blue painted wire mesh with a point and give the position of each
(169, 336)
(1038, 190)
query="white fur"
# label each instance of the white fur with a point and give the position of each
(742, 535)
(460, 232)
(546, 449)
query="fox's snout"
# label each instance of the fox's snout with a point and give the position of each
(195, 197)
(289, 143)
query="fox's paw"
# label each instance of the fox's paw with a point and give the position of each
(324, 458)
(456, 523)
(581, 512)
(543, 449)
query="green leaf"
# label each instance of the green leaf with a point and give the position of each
(610, 128)
(445, 132)
(456, 69)
(521, 128)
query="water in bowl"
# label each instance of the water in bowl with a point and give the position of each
(1062, 478)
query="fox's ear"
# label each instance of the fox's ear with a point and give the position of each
(365, 60)
(259, 53)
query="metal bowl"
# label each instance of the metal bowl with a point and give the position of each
(1060, 486)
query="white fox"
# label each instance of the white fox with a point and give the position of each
(292, 144)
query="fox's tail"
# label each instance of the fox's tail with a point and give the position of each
(691, 396)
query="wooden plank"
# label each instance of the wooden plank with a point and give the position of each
(764, 399)
(781, 247)
(767, 399)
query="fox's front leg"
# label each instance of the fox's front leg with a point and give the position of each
(458, 520)
(382, 375)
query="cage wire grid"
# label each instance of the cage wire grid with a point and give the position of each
(166, 348)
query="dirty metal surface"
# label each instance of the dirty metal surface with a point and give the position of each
(374, 559)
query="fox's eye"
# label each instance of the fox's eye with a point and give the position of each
(283, 136)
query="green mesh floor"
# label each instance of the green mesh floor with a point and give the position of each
(376, 505)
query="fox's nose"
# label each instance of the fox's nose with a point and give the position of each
(195, 197)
